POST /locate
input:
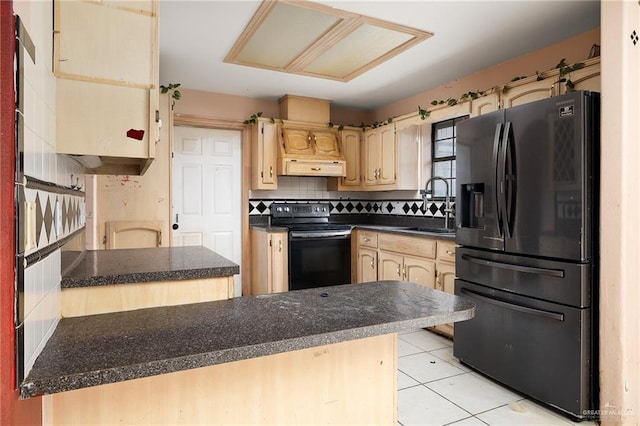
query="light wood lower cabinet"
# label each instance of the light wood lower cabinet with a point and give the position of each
(349, 383)
(395, 266)
(94, 300)
(367, 266)
(269, 261)
(422, 260)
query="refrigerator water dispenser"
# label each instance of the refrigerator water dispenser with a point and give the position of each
(472, 205)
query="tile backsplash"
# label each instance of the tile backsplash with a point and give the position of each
(434, 209)
(50, 203)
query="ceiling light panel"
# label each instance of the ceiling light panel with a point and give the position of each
(309, 38)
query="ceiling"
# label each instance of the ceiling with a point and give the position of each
(196, 36)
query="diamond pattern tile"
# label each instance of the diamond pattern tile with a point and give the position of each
(392, 207)
(48, 219)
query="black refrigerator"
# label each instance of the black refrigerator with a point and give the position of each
(527, 222)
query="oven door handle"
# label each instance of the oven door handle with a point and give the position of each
(333, 235)
(513, 306)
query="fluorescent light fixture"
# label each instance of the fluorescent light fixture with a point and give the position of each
(308, 38)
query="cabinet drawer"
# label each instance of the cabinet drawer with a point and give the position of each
(446, 251)
(414, 246)
(368, 239)
(311, 168)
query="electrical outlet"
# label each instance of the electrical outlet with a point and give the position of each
(30, 226)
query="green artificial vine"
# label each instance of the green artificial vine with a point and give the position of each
(563, 77)
(175, 93)
(565, 73)
(254, 118)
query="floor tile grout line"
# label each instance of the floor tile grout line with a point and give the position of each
(448, 400)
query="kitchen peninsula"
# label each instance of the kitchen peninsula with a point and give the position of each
(316, 356)
(101, 281)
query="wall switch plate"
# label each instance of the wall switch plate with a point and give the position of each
(57, 218)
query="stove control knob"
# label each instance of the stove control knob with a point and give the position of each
(278, 209)
(286, 209)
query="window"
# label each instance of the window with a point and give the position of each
(443, 156)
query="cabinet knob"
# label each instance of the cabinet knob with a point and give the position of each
(317, 169)
(372, 266)
(451, 253)
(280, 245)
(270, 171)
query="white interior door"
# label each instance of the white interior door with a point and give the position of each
(206, 191)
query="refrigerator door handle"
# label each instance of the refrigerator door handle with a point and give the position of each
(497, 178)
(509, 179)
(515, 307)
(557, 273)
(503, 178)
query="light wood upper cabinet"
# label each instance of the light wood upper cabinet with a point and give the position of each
(106, 61)
(350, 143)
(485, 104)
(327, 143)
(297, 142)
(111, 42)
(264, 146)
(587, 78)
(528, 90)
(269, 261)
(307, 151)
(410, 133)
(379, 153)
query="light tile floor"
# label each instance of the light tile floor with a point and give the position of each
(434, 388)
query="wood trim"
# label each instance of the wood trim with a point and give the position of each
(245, 141)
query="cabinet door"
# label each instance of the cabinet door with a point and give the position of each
(409, 140)
(327, 143)
(485, 104)
(372, 153)
(387, 167)
(279, 275)
(96, 119)
(420, 271)
(297, 142)
(264, 155)
(529, 92)
(389, 266)
(445, 281)
(109, 41)
(587, 78)
(367, 265)
(351, 150)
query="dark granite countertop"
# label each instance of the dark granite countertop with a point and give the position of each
(108, 348)
(121, 266)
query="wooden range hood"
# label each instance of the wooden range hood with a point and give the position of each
(308, 146)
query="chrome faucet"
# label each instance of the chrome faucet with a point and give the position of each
(447, 201)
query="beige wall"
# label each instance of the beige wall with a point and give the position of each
(574, 49)
(228, 107)
(620, 200)
(125, 197)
